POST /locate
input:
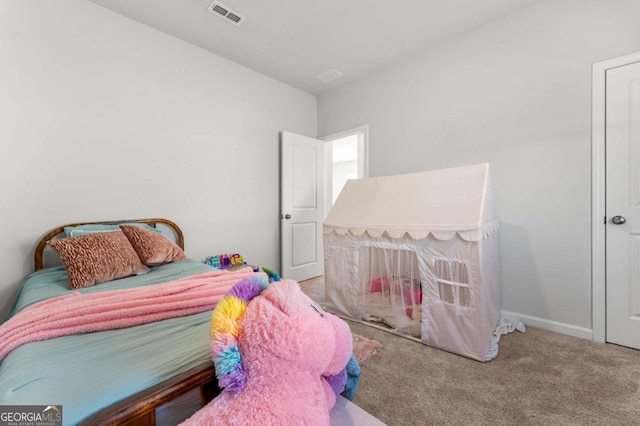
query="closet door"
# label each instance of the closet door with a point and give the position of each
(623, 205)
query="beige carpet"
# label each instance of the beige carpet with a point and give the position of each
(538, 378)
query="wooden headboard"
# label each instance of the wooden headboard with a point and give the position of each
(38, 256)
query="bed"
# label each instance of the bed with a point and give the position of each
(117, 376)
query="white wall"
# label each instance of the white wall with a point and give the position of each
(516, 94)
(103, 118)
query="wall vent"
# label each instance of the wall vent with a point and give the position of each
(330, 75)
(226, 13)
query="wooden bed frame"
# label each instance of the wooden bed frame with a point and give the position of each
(139, 409)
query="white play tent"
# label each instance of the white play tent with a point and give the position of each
(418, 253)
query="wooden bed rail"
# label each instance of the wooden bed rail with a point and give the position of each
(140, 409)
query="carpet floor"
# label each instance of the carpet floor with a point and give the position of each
(538, 378)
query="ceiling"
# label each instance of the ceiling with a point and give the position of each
(294, 41)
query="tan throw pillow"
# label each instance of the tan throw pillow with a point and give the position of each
(96, 258)
(153, 248)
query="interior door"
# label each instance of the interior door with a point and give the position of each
(301, 210)
(623, 205)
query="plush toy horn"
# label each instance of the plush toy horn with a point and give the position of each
(225, 329)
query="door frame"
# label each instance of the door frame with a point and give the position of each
(363, 159)
(598, 192)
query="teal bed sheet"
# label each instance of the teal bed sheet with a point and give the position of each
(88, 372)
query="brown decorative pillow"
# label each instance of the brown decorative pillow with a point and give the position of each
(153, 248)
(96, 258)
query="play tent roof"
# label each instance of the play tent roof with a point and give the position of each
(442, 203)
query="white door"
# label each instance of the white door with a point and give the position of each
(623, 205)
(301, 211)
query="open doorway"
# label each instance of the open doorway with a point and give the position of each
(346, 157)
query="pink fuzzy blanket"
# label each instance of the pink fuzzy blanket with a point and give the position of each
(82, 313)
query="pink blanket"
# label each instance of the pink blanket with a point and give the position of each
(83, 313)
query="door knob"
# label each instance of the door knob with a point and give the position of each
(618, 220)
(287, 216)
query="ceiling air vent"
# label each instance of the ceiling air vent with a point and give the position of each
(328, 76)
(226, 13)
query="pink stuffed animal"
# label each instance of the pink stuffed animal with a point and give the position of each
(273, 350)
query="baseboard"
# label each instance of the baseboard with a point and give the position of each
(558, 327)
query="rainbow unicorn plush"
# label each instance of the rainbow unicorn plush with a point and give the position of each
(279, 357)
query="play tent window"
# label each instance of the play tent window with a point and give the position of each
(453, 282)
